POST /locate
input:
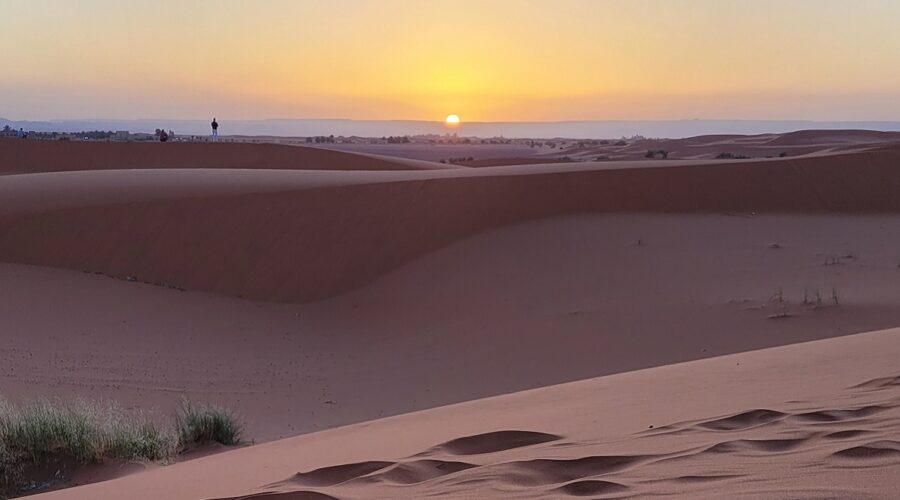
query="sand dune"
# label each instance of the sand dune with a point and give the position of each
(301, 236)
(469, 320)
(798, 143)
(437, 152)
(19, 157)
(803, 142)
(833, 137)
(307, 299)
(810, 420)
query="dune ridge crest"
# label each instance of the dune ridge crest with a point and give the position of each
(301, 236)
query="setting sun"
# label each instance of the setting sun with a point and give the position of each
(452, 120)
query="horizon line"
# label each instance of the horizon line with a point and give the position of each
(464, 123)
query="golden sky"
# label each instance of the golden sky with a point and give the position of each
(487, 60)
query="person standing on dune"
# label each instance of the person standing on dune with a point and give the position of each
(215, 130)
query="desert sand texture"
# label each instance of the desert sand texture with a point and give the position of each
(813, 420)
(309, 289)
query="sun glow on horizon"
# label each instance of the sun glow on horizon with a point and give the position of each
(452, 120)
(504, 60)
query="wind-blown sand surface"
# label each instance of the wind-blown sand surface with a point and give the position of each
(814, 420)
(307, 299)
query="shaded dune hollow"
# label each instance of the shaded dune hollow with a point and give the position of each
(304, 243)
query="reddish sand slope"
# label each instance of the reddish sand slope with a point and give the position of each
(519, 307)
(814, 420)
(309, 299)
(302, 236)
(19, 157)
(437, 152)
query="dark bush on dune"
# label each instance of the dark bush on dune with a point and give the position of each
(51, 434)
(202, 424)
(731, 156)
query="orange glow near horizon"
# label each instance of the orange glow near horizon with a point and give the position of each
(506, 60)
(452, 120)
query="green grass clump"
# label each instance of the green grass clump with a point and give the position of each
(201, 424)
(47, 432)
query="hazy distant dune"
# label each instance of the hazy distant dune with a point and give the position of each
(834, 137)
(745, 146)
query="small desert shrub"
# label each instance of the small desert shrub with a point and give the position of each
(140, 440)
(201, 424)
(46, 432)
(44, 428)
(731, 156)
(782, 305)
(461, 159)
(819, 301)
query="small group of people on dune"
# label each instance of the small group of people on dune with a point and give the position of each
(164, 136)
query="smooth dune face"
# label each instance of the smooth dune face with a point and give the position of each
(303, 236)
(466, 321)
(331, 291)
(741, 426)
(20, 157)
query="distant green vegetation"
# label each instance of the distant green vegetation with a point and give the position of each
(43, 433)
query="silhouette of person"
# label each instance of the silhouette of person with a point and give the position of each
(215, 130)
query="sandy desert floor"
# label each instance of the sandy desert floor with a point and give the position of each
(309, 289)
(809, 421)
(803, 142)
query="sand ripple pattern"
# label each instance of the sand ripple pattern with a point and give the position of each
(738, 453)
